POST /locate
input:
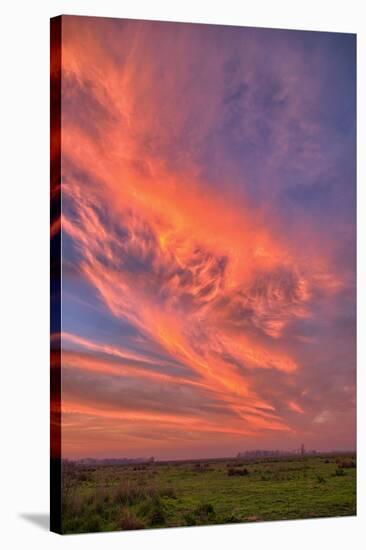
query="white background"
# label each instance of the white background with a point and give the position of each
(24, 283)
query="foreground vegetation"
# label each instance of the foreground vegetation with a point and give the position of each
(122, 497)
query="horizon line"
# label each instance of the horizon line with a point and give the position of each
(223, 457)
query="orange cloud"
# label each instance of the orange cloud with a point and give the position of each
(202, 274)
(295, 407)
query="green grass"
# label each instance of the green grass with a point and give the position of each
(176, 494)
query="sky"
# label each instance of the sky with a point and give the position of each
(208, 239)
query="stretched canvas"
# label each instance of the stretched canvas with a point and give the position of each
(203, 312)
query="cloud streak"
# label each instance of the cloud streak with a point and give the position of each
(227, 307)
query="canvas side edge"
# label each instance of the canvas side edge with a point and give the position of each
(55, 274)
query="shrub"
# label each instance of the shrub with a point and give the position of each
(158, 515)
(347, 464)
(73, 503)
(201, 468)
(129, 521)
(101, 499)
(127, 493)
(190, 519)
(201, 515)
(238, 472)
(265, 478)
(93, 524)
(205, 513)
(82, 477)
(168, 492)
(231, 519)
(320, 479)
(340, 472)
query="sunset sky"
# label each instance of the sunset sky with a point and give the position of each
(208, 239)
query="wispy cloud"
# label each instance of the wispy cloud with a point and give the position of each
(202, 264)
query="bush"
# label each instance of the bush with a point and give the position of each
(129, 521)
(93, 524)
(320, 479)
(205, 513)
(158, 515)
(201, 468)
(202, 515)
(190, 519)
(127, 493)
(231, 519)
(73, 503)
(340, 472)
(101, 499)
(83, 477)
(168, 492)
(347, 464)
(205, 509)
(238, 472)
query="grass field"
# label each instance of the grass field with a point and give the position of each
(108, 498)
